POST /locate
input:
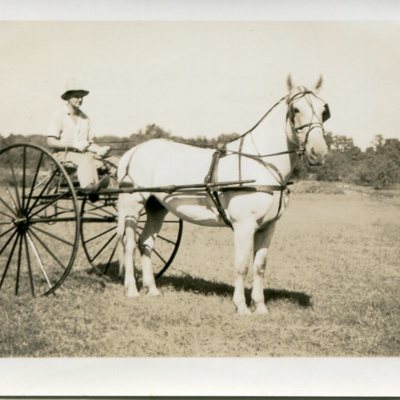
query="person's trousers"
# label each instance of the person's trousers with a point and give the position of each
(86, 165)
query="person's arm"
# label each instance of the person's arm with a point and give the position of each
(56, 144)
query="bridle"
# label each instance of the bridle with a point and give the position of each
(311, 125)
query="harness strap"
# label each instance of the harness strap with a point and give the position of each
(214, 162)
(240, 153)
(126, 175)
(214, 194)
(240, 157)
(279, 209)
(217, 202)
(270, 189)
(271, 167)
(210, 179)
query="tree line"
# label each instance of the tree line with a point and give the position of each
(377, 166)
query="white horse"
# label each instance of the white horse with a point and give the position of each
(265, 155)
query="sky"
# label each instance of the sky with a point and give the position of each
(199, 77)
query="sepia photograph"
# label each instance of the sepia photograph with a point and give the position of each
(201, 188)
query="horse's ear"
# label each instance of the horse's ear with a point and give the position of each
(319, 83)
(289, 82)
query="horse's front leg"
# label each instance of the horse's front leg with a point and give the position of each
(243, 243)
(155, 218)
(262, 241)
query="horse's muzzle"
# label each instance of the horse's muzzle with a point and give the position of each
(316, 158)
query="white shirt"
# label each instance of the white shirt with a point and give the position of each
(69, 130)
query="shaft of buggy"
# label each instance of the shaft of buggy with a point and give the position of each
(128, 188)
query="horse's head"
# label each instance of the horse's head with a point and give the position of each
(305, 118)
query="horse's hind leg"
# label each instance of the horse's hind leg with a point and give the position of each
(129, 207)
(262, 241)
(155, 218)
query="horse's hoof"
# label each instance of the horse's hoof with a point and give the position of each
(261, 309)
(132, 293)
(243, 310)
(154, 292)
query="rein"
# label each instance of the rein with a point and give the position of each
(300, 151)
(211, 186)
(282, 185)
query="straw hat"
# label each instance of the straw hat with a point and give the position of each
(73, 86)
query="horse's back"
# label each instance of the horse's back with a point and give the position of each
(161, 162)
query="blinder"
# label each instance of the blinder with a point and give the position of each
(326, 114)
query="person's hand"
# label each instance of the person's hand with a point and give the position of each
(103, 151)
(100, 151)
(81, 145)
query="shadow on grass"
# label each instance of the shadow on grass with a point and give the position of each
(109, 272)
(201, 286)
(84, 279)
(198, 285)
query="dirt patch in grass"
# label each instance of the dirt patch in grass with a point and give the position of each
(317, 187)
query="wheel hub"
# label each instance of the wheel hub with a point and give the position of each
(21, 223)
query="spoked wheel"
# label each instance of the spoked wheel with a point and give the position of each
(99, 237)
(39, 221)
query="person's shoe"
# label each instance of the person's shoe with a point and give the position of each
(95, 187)
(103, 182)
(93, 197)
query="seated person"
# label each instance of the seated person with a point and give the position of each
(71, 140)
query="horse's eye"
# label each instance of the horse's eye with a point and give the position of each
(295, 110)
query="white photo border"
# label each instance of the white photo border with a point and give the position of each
(200, 376)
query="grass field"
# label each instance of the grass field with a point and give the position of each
(332, 289)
